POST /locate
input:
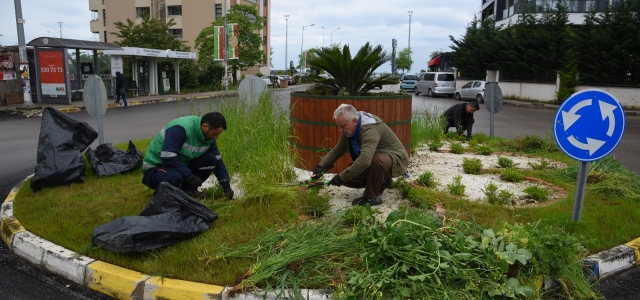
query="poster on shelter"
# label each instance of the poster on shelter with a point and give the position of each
(7, 67)
(52, 72)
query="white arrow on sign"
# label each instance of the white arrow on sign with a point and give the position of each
(592, 144)
(606, 110)
(568, 118)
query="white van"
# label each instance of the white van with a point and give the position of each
(436, 84)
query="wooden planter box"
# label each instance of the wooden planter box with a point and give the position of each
(314, 132)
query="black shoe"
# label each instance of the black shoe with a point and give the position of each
(196, 194)
(385, 184)
(362, 201)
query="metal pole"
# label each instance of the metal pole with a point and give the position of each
(410, 13)
(24, 60)
(322, 36)
(226, 57)
(332, 35)
(301, 46)
(60, 24)
(581, 185)
(286, 42)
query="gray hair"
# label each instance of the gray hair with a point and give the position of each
(347, 110)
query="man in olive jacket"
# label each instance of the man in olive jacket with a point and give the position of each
(377, 153)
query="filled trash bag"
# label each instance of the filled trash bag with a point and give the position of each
(171, 216)
(62, 140)
(107, 160)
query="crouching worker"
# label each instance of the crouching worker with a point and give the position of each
(377, 153)
(460, 116)
(185, 153)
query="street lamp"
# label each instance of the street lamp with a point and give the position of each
(410, 13)
(54, 33)
(332, 35)
(322, 36)
(302, 44)
(286, 41)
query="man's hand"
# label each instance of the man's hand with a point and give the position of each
(336, 181)
(192, 182)
(228, 192)
(317, 171)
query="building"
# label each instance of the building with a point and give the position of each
(190, 16)
(506, 12)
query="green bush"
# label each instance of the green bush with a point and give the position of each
(505, 162)
(537, 193)
(456, 187)
(471, 165)
(457, 148)
(539, 166)
(426, 179)
(484, 150)
(512, 175)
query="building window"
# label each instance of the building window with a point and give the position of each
(177, 33)
(264, 39)
(95, 36)
(105, 37)
(264, 2)
(141, 11)
(174, 10)
(218, 11)
(94, 15)
(104, 17)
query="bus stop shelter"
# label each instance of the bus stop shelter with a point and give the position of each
(53, 71)
(149, 73)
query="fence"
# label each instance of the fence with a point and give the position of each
(539, 77)
(600, 79)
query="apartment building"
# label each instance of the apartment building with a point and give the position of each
(506, 12)
(190, 16)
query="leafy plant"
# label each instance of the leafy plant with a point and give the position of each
(540, 194)
(457, 148)
(354, 74)
(542, 165)
(435, 145)
(456, 187)
(472, 165)
(512, 175)
(496, 196)
(505, 162)
(426, 179)
(484, 149)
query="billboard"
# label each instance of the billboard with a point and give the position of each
(52, 72)
(7, 67)
(232, 41)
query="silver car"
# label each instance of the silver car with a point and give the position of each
(436, 84)
(472, 90)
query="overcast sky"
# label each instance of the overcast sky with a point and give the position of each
(360, 21)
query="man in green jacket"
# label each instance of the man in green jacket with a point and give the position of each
(377, 153)
(185, 154)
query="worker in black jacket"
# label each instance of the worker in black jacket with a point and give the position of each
(460, 116)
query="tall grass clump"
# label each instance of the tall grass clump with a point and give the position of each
(505, 162)
(609, 178)
(425, 126)
(427, 179)
(472, 165)
(480, 137)
(540, 194)
(484, 149)
(314, 204)
(535, 143)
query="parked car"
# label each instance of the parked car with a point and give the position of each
(289, 79)
(267, 80)
(472, 90)
(436, 84)
(408, 81)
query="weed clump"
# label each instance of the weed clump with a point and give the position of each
(421, 198)
(314, 204)
(435, 145)
(512, 175)
(481, 138)
(456, 187)
(401, 184)
(427, 179)
(505, 162)
(457, 148)
(484, 150)
(540, 194)
(533, 143)
(472, 165)
(542, 165)
(496, 196)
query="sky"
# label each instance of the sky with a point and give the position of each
(360, 21)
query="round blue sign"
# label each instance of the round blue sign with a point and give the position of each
(589, 125)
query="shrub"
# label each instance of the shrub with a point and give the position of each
(539, 166)
(540, 194)
(471, 165)
(512, 175)
(457, 148)
(426, 179)
(435, 145)
(505, 162)
(456, 187)
(484, 150)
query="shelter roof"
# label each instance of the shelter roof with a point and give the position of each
(72, 44)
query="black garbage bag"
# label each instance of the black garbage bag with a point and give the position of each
(62, 140)
(171, 216)
(107, 160)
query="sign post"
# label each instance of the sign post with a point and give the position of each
(95, 100)
(587, 127)
(492, 100)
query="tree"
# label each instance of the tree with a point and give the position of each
(249, 40)
(479, 49)
(404, 61)
(434, 54)
(150, 33)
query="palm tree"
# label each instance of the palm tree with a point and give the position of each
(354, 75)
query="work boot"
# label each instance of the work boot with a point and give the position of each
(363, 201)
(385, 184)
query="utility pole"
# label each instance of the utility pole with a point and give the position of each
(24, 61)
(286, 42)
(226, 55)
(322, 36)
(410, 13)
(60, 24)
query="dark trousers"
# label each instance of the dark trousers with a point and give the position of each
(201, 166)
(371, 179)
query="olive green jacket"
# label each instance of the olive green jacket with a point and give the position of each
(374, 137)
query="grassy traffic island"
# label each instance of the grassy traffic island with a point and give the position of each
(437, 243)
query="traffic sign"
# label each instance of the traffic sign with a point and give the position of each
(589, 125)
(492, 97)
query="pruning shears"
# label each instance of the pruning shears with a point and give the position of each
(317, 180)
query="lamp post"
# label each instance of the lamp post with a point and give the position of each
(60, 32)
(286, 41)
(322, 36)
(332, 35)
(301, 46)
(410, 13)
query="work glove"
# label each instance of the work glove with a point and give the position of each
(228, 192)
(336, 181)
(317, 171)
(192, 182)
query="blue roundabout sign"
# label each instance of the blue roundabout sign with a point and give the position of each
(589, 125)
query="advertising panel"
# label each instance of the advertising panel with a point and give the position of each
(7, 67)
(52, 72)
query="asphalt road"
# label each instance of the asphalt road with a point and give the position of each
(19, 140)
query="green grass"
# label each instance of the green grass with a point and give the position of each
(540, 194)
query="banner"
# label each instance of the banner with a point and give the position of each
(7, 67)
(52, 72)
(304, 60)
(232, 41)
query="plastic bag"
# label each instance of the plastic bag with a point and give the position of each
(171, 216)
(107, 160)
(62, 140)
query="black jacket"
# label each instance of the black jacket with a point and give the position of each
(120, 83)
(457, 116)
